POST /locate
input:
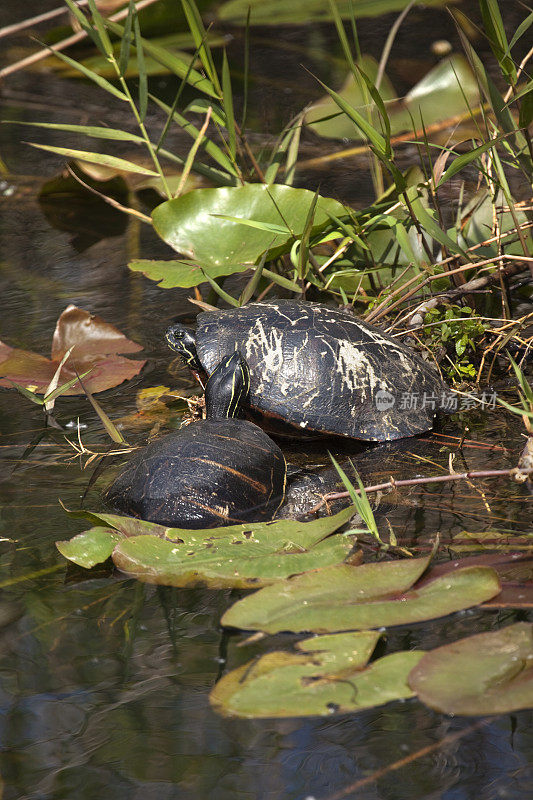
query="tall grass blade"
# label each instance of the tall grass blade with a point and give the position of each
(219, 290)
(292, 151)
(189, 161)
(141, 68)
(466, 158)
(125, 43)
(303, 255)
(429, 224)
(227, 102)
(210, 147)
(93, 131)
(495, 32)
(97, 158)
(90, 74)
(111, 429)
(246, 77)
(360, 500)
(100, 27)
(249, 290)
(85, 25)
(173, 63)
(199, 33)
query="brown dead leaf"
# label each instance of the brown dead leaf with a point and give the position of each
(96, 347)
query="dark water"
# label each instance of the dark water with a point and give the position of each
(104, 681)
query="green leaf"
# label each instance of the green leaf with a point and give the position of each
(429, 224)
(94, 131)
(301, 12)
(125, 43)
(199, 33)
(327, 674)
(97, 158)
(28, 394)
(210, 147)
(495, 32)
(244, 556)
(467, 158)
(184, 274)
(495, 669)
(98, 22)
(178, 66)
(375, 139)
(526, 110)
(85, 25)
(344, 597)
(447, 90)
(91, 75)
(189, 225)
(143, 80)
(227, 101)
(90, 547)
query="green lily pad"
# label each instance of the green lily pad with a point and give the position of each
(245, 556)
(221, 563)
(192, 224)
(344, 597)
(478, 216)
(328, 677)
(184, 274)
(438, 96)
(340, 126)
(90, 547)
(495, 669)
(299, 12)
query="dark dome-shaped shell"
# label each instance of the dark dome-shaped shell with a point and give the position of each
(323, 369)
(210, 473)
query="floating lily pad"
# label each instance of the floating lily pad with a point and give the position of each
(96, 344)
(191, 226)
(245, 556)
(90, 547)
(327, 676)
(495, 669)
(448, 90)
(343, 597)
(325, 117)
(184, 274)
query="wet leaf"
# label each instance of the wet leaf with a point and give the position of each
(343, 597)
(222, 563)
(495, 669)
(327, 676)
(90, 547)
(299, 12)
(185, 274)
(245, 556)
(191, 226)
(440, 95)
(96, 347)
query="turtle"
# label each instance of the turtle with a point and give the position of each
(319, 369)
(218, 471)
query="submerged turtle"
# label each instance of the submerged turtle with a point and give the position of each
(319, 369)
(218, 471)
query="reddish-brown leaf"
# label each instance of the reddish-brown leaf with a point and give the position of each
(97, 346)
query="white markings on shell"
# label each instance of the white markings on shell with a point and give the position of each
(357, 371)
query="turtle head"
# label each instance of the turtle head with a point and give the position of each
(182, 341)
(227, 387)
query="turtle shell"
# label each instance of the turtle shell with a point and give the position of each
(323, 369)
(210, 473)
